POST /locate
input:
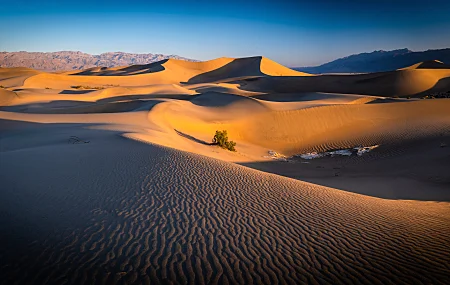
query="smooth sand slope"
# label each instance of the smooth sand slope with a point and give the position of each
(143, 198)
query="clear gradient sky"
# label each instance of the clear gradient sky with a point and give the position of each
(294, 33)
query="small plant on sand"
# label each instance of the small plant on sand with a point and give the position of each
(221, 139)
(1, 86)
(47, 87)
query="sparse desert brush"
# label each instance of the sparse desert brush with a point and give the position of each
(221, 139)
(87, 87)
(1, 86)
(47, 87)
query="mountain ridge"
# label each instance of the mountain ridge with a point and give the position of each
(378, 61)
(75, 60)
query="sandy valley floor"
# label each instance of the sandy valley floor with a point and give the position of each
(143, 198)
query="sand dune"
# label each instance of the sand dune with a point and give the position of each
(11, 77)
(411, 82)
(6, 97)
(170, 71)
(334, 127)
(263, 75)
(161, 214)
(431, 64)
(245, 67)
(25, 100)
(144, 198)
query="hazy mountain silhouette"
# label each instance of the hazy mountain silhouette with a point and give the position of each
(70, 60)
(378, 61)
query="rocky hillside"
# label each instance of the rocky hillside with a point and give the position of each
(378, 61)
(70, 60)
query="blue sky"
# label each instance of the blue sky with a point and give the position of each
(294, 33)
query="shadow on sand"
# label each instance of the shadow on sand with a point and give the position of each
(241, 67)
(129, 70)
(193, 139)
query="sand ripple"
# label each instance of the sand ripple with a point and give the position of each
(165, 216)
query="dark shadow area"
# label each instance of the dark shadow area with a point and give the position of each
(376, 84)
(241, 67)
(46, 206)
(97, 108)
(192, 138)
(416, 170)
(295, 97)
(124, 103)
(212, 87)
(218, 99)
(433, 64)
(443, 85)
(75, 91)
(29, 134)
(146, 97)
(129, 70)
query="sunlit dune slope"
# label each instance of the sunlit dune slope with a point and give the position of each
(166, 72)
(6, 97)
(11, 77)
(318, 129)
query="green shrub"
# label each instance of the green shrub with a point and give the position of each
(221, 139)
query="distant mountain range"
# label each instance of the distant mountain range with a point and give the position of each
(378, 61)
(358, 63)
(70, 60)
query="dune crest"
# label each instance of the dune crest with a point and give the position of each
(431, 64)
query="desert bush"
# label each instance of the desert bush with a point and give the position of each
(1, 86)
(221, 139)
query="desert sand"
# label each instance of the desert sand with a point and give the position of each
(142, 197)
